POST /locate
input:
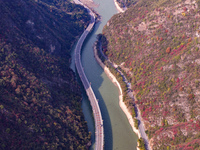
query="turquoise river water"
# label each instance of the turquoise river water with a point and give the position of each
(118, 132)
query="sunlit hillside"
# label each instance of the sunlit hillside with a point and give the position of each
(157, 44)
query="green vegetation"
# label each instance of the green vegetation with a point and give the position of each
(156, 44)
(141, 144)
(136, 123)
(126, 3)
(40, 102)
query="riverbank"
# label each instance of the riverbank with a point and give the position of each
(99, 128)
(91, 5)
(118, 7)
(116, 83)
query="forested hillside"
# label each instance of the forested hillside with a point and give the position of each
(157, 44)
(40, 102)
(126, 3)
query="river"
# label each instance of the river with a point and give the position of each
(118, 132)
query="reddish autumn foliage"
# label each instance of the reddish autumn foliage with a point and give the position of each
(181, 89)
(184, 8)
(191, 96)
(168, 50)
(190, 39)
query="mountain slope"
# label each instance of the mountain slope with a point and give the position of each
(40, 102)
(157, 44)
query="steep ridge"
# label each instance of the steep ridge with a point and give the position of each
(40, 102)
(156, 44)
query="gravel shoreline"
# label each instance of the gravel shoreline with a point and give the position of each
(118, 7)
(116, 83)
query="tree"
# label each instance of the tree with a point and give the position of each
(136, 123)
(133, 112)
(168, 50)
(141, 144)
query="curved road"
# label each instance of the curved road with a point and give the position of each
(138, 116)
(130, 94)
(99, 131)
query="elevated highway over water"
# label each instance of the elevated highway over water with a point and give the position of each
(99, 130)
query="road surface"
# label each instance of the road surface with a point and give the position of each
(130, 94)
(99, 130)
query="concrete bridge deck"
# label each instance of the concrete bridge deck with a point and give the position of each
(99, 130)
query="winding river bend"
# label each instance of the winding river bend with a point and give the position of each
(118, 132)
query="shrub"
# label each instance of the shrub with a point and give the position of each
(181, 89)
(168, 50)
(191, 96)
(136, 123)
